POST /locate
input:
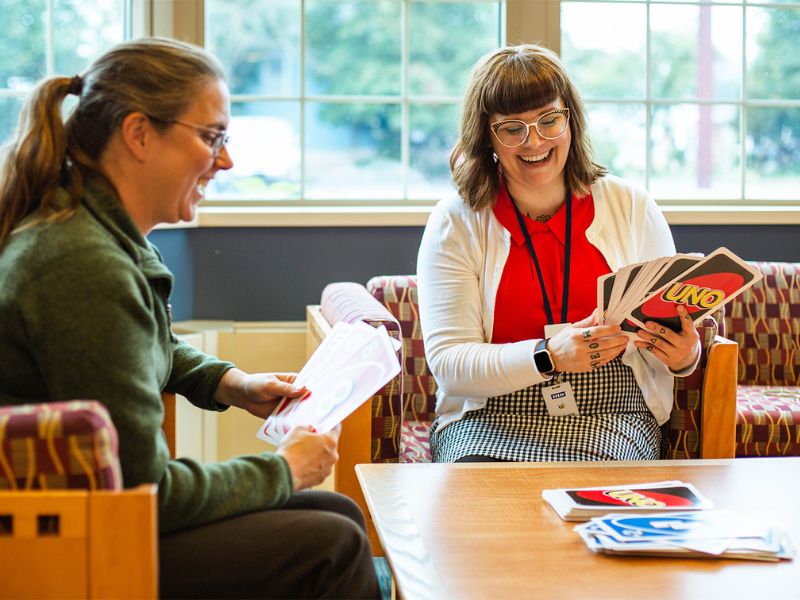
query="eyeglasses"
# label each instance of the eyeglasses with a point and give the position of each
(214, 138)
(549, 126)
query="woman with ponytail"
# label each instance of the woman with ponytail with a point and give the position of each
(84, 313)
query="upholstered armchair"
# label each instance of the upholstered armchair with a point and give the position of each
(765, 323)
(67, 528)
(394, 425)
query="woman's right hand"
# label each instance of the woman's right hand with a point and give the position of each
(585, 345)
(310, 455)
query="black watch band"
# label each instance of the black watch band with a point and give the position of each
(542, 359)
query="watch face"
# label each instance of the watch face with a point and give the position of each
(541, 359)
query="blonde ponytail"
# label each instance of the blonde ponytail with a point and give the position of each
(33, 163)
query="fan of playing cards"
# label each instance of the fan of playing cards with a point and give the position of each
(701, 534)
(352, 363)
(651, 291)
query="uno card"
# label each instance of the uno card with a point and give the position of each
(667, 496)
(622, 283)
(668, 269)
(677, 265)
(702, 289)
(350, 365)
(605, 283)
(682, 526)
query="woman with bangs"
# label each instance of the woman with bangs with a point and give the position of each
(507, 275)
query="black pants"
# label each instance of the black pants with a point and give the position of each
(312, 547)
(479, 458)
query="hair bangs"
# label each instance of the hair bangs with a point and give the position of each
(519, 84)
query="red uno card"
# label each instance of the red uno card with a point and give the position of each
(702, 289)
(677, 496)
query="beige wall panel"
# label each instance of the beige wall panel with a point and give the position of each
(255, 349)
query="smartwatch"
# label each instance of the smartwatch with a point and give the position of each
(542, 359)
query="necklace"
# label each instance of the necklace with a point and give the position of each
(539, 218)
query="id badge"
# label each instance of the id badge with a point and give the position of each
(560, 400)
(551, 330)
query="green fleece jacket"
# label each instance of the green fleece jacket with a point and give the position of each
(84, 314)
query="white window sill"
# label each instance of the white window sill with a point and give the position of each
(417, 216)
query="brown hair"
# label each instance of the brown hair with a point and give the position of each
(158, 77)
(510, 80)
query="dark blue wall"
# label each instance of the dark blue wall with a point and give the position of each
(177, 253)
(270, 274)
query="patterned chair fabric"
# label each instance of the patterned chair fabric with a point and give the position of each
(58, 445)
(765, 322)
(682, 439)
(399, 295)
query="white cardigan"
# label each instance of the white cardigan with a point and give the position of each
(460, 263)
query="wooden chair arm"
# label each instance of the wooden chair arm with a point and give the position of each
(169, 424)
(100, 544)
(355, 445)
(718, 413)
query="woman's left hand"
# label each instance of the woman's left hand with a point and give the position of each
(257, 393)
(676, 350)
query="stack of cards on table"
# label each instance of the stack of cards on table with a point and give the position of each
(651, 291)
(581, 504)
(352, 363)
(700, 534)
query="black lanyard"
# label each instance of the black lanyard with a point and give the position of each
(567, 243)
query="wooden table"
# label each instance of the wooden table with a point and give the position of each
(483, 531)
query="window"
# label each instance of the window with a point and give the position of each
(699, 99)
(345, 100)
(42, 38)
(357, 101)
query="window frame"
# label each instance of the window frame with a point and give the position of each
(648, 101)
(524, 21)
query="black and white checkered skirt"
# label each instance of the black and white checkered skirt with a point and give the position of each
(614, 423)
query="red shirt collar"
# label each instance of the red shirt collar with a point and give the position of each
(504, 211)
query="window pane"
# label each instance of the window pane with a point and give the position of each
(773, 60)
(773, 153)
(432, 134)
(257, 43)
(352, 151)
(603, 63)
(9, 113)
(696, 52)
(83, 29)
(353, 47)
(445, 40)
(695, 151)
(22, 43)
(265, 148)
(617, 132)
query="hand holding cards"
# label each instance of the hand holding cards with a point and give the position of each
(352, 363)
(652, 290)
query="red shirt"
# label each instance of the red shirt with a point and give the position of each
(519, 311)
